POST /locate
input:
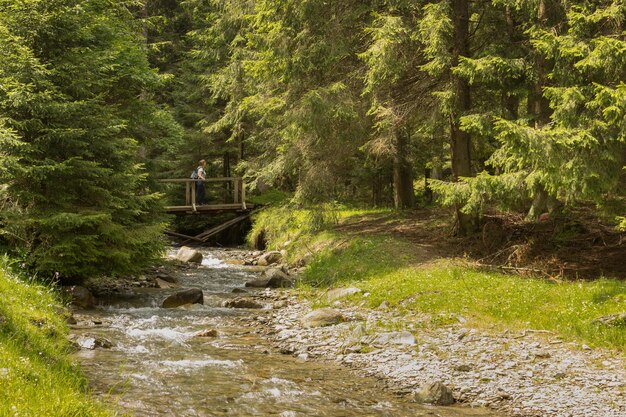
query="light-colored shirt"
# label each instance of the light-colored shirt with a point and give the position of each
(201, 172)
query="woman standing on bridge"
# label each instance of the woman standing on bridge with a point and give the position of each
(201, 173)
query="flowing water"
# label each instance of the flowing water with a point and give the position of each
(159, 367)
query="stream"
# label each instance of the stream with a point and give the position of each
(158, 366)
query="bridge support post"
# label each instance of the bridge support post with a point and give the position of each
(193, 197)
(236, 190)
(243, 194)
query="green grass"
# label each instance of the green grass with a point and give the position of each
(391, 269)
(386, 267)
(302, 230)
(37, 377)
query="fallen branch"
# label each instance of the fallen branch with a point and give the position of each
(544, 272)
(524, 332)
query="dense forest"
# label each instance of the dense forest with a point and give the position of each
(513, 105)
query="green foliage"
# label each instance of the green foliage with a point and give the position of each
(435, 30)
(270, 197)
(316, 97)
(492, 70)
(326, 100)
(38, 377)
(473, 194)
(566, 66)
(576, 156)
(384, 56)
(75, 90)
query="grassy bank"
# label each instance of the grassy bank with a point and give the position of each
(400, 272)
(37, 378)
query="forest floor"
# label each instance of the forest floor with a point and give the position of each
(526, 319)
(558, 248)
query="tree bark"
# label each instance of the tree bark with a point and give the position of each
(404, 195)
(460, 142)
(541, 111)
(428, 192)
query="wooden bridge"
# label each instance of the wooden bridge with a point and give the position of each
(234, 196)
(233, 199)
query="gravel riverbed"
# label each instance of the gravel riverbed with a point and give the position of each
(532, 373)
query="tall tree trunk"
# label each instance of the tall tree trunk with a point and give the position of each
(226, 173)
(377, 190)
(226, 165)
(403, 194)
(541, 110)
(144, 14)
(541, 105)
(460, 142)
(428, 192)
(240, 140)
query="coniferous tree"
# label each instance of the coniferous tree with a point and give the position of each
(391, 62)
(559, 136)
(75, 99)
(578, 152)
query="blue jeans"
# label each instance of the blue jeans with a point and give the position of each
(199, 192)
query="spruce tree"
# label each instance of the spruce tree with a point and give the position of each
(75, 99)
(392, 75)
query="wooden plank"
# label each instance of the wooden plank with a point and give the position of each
(236, 191)
(182, 180)
(193, 197)
(204, 236)
(187, 194)
(175, 234)
(223, 226)
(209, 207)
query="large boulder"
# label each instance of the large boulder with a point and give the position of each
(269, 258)
(80, 296)
(435, 393)
(278, 279)
(166, 277)
(190, 296)
(240, 302)
(337, 293)
(92, 342)
(273, 278)
(322, 317)
(257, 283)
(280, 282)
(189, 255)
(395, 338)
(161, 283)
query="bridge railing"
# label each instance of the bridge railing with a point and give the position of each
(236, 187)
